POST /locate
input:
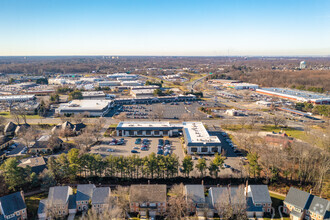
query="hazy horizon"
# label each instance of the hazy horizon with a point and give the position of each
(165, 28)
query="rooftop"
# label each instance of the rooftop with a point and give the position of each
(197, 133)
(101, 195)
(85, 104)
(296, 93)
(148, 193)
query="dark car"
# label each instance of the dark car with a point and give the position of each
(144, 148)
(138, 141)
(134, 151)
(160, 142)
(167, 142)
(160, 152)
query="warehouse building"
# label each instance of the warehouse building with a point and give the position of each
(144, 100)
(296, 95)
(197, 138)
(132, 83)
(118, 76)
(17, 98)
(109, 84)
(93, 95)
(240, 86)
(91, 107)
(142, 93)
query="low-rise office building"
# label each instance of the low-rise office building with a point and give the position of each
(93, 95)
(142, 93)
(90, 107)
(109, 84)
(132, 83)
(17, 98)
(197, 138)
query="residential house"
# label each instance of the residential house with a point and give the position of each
(101, 199)
(69, 128)
(45, 144)
(57, 203)
(195, 198)
(13, 206)
(302, 205)
(258, 200)
(146, 198)
(84, 196)
(37, 164)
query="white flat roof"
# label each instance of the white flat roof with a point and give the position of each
(198, 133)
(141, 124)
(85, 105)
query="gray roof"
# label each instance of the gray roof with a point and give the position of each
(148, 193)
(101, 195)
(195, 193)
(85, 192)
(297, 198)
(12, 203)
(219, 194)
(58, 195)
(319, 206)
(260, 194)
(42, 206)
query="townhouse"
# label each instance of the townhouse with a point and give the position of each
(302, 205)
(101, 199)
(258, 200)
(195, 197)
(13, 206)
(84, 196)
(148, 199)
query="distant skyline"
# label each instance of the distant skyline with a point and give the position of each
(165, 27)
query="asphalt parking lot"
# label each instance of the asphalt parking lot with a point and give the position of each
(125, 149)
(172, 110)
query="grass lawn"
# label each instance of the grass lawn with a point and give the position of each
(8, 115)
(298, 134)
(32, 203)
(277, 201)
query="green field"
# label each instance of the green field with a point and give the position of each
(8, 115)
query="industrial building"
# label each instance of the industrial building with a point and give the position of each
(143, 100)
(93, 95)
(17, 98)
(91, 107)
(109, 84)
(197, 138)
(132, 83)
(296, 95)
(141, 93)
(122, 75)
(240, 86)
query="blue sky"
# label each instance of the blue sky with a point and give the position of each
(164, 27)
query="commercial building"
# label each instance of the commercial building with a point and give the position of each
(145, 128)
(122, 75)
(17, 98)
(240, 86)
(197, 138)
(132, 83)
(142, 93)
(93, 95)
(302, 65)
(109, 84)
(296, 95)
(143, 100)
(91, 107)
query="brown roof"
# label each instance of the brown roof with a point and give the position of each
(148, 193)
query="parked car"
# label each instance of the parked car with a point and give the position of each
(167, 142)
(110, 150)
(138, 141)
(160, 152)
(226, 165)
(144, 148)
(134, 151)
(160, 142)
(194, 158)
(136, 148)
